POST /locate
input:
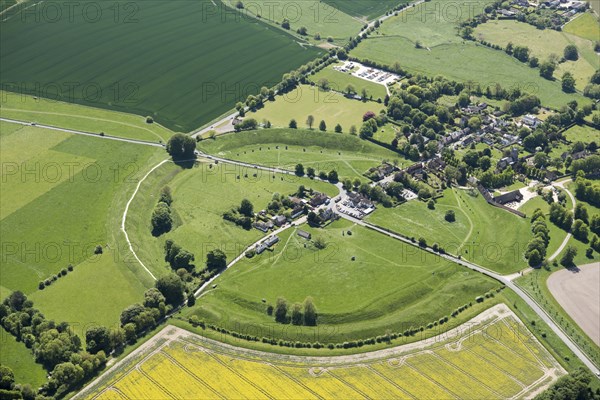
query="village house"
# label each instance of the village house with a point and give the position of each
(327, 214)
(531, 121)
(279, 220)
(297, 211)
(357, 200)
(318, 199)
(263, 226)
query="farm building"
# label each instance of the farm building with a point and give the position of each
(511, 197)
(304, 234)
(260, 248)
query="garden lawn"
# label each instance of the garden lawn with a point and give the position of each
(184, 63)
(331, 107)
(543, 43)
(20, 360)
(444, 53)
(339, 81)
(68, 202)
(285, 148)
(200, 197)
(44, 111)
(585, 26)
(388, 285)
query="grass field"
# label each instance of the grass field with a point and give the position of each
(201, 196)
(4, 4)
(365, 9)
(586, 26)
(110, 278)
(317, 17)
(77, 117)
(500, 249)
(444, 53)
(543, 43)
(20, 359)
(60, 198)
(582, 133)
(331, 107)
(387, 286)
(496, 358)
(340, 80)
(176, 61)
(347, 154)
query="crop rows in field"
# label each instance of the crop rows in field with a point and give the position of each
(497, 360)
(182, 62)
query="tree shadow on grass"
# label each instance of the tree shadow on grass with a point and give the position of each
(185, 163)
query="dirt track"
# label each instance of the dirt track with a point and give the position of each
(579, 294)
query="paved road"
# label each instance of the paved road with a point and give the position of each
(83, 133)
(216, 126)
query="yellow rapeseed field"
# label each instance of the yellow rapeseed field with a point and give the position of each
(497, 360)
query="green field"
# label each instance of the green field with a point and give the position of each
(110, 278)
(201, 195)
(444, 53)
(388, 286)
(27, 108)
(582, 133)
(4, 4)
(316, 17)
(585, 26)
(543, 43)
(60, 198)
(176, 61)
(347, 154)
(365, 9)
(340, 80)
(331, 107)
(20, 359)
(499, 249)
